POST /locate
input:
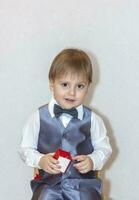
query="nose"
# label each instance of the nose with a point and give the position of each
(72, 91)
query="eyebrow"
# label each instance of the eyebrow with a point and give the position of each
(64, 81)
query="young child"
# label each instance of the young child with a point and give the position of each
(67, 124)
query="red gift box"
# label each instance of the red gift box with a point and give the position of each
(37, 177)
(64, 158)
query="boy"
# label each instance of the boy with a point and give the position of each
(67, 124)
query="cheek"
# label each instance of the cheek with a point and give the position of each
(82, 95)
(59, 92)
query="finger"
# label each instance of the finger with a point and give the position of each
(53, 160)
(52, 169)
(52, 154)
(50, 157)
(81, 166)
(81, 163)
(79, 158)
(54, 166)
(83, 171)
(53, 163)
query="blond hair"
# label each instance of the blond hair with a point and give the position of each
(71, 60)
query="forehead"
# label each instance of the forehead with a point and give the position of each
(80, 77)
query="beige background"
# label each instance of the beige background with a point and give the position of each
(31, 33)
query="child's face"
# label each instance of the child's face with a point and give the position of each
(69, 90)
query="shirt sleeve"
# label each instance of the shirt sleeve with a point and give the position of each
(100, 142)
(28, 147)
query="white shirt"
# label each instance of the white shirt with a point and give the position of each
(100, 141)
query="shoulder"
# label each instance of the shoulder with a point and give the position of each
(32, 121)
(97, 122)
(93, 114)
(43, 107)
(95, 118)
(35, 115)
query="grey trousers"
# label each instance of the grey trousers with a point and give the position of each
(70, 189)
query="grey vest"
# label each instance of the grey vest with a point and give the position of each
(75, 138)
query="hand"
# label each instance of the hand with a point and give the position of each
(49, 164)
(84, 165)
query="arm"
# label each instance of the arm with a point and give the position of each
(28, 147)
(102, 148)
(100, 142)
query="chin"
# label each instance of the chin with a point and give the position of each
(68, 106)
(71, 106)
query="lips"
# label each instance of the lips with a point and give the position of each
(70, 100)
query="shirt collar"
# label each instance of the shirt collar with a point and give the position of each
(51, 106)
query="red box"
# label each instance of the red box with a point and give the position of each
(64, 158)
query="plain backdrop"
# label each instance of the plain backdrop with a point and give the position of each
(32, 32)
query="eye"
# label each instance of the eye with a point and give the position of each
(64, 84)
(80, 86)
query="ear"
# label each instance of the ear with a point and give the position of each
(51, 85)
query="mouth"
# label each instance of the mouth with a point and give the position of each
(70, 100)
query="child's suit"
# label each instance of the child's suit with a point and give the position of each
(75, 138)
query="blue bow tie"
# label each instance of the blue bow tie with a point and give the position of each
(58, 111)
